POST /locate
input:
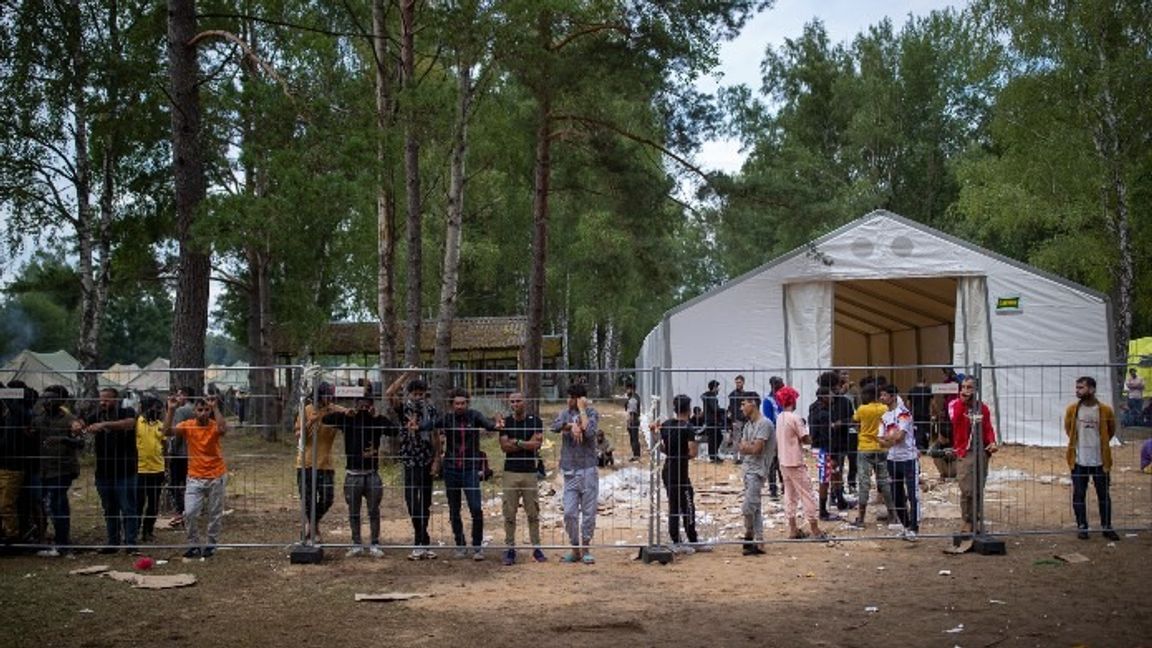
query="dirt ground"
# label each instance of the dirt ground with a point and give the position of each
(862, 589)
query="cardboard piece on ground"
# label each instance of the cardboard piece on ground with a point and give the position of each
(391, 596)
(151, 581)
(1073, 557)
(86, 571)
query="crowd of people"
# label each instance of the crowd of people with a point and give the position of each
(863, 436)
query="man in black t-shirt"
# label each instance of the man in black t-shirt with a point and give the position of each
(113, 429)
(678, 443)
(520, 440)
(363, 431)
(736, 417)
(461, 429)
(713, 419)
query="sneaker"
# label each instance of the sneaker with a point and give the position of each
(909, 535)
(478, 555)
(1082, 534)
(570, 557)
(354, 551)
(683, 549)
(538, 556)
(375, 551)
(509, 558)
(854, 524)
(192, 553)
(429, 554)
(703, 547)
(1109, 534)
(209, 552)
(417, 554)
(588, 559)
(752, 550)
(460, 553)
(50, 552)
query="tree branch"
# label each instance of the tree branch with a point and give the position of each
(233, 38)
(591, 121)
(591, 29)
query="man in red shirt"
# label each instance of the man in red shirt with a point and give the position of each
(962, 412)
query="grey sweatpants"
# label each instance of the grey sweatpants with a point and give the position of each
(581, 490)
(752, 509)
(196, 492)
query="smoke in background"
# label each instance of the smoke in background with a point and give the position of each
(17, 331)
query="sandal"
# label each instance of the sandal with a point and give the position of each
(799, 535)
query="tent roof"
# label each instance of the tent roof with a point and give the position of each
(812, 248)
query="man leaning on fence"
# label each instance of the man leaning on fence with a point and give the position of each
(113, 429)
(578, 424)
(364, 431)
(463, 465)
(317, 487)
(520, 440)
(207, 475)
(961, 412)
(419, 454)
(1090, 426)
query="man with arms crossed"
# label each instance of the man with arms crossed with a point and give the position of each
(520, 440)
(758, 445)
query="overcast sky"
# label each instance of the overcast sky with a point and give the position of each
(843, 19)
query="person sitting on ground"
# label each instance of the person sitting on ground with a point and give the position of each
(604, 450)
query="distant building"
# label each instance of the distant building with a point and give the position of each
(487, 352)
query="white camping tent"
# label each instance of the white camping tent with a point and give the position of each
(886, 291)
(39, 370)
(153, 377)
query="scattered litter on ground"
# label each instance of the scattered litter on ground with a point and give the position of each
(997, 602)
(87, 611)
(85, 571)
(957, 629)
(871, 609)
(944, 572)
(1073, 558)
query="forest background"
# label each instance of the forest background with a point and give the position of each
(398, 160)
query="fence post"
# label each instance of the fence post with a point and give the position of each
(655, 551)
(982, 543)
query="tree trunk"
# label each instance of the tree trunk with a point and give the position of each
(542, 175)
(385, 198)
(85, 234)
(449, 280)
(190, 319)
(412, 184)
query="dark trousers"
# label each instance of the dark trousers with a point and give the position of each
(418, 498)
(118, 497)
(464, 481)
(903, 477)
(364, 488)
(681, 504)
(774, 475)
(177, 482)
(55, 490)
(715, 436)
(634, 434)
(319, 498)
(1080, 476)
(148, 489)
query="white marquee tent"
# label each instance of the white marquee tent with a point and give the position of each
(39, 370)
(885, 291)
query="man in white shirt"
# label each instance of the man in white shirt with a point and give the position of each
(1135, 385)
(1090, 426)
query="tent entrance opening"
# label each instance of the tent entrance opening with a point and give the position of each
(894, 322)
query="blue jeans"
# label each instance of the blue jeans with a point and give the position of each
(118, 497)
(55, 493)
(1135, 411)
(464, 481)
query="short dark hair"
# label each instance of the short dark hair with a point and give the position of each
(682, 403)
(577, 390)
(775, 382)
(110, 390)
(868, 393)
(828, 379)
(888, 389)
(740, 377)
(417, 385)
(460, 392)
(751, 396)
(1087, 380)
(713, 384)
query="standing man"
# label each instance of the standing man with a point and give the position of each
(1090, 426)
(462, 465)
(960, 412)
(736, 416)
(903, 461)
(114, 431)
(364, 430)
(1135, 385)
(60, 442)
(318, 496)
(920, 400)
(632, 408)
(872, 456)
(791, 435)
(772, 409)
(758, 444)
(419, 454)
(678, 443)
(578, 425)
(713, 418)
(207, 475)
(520, 440)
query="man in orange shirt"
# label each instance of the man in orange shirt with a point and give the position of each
(206, 471)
